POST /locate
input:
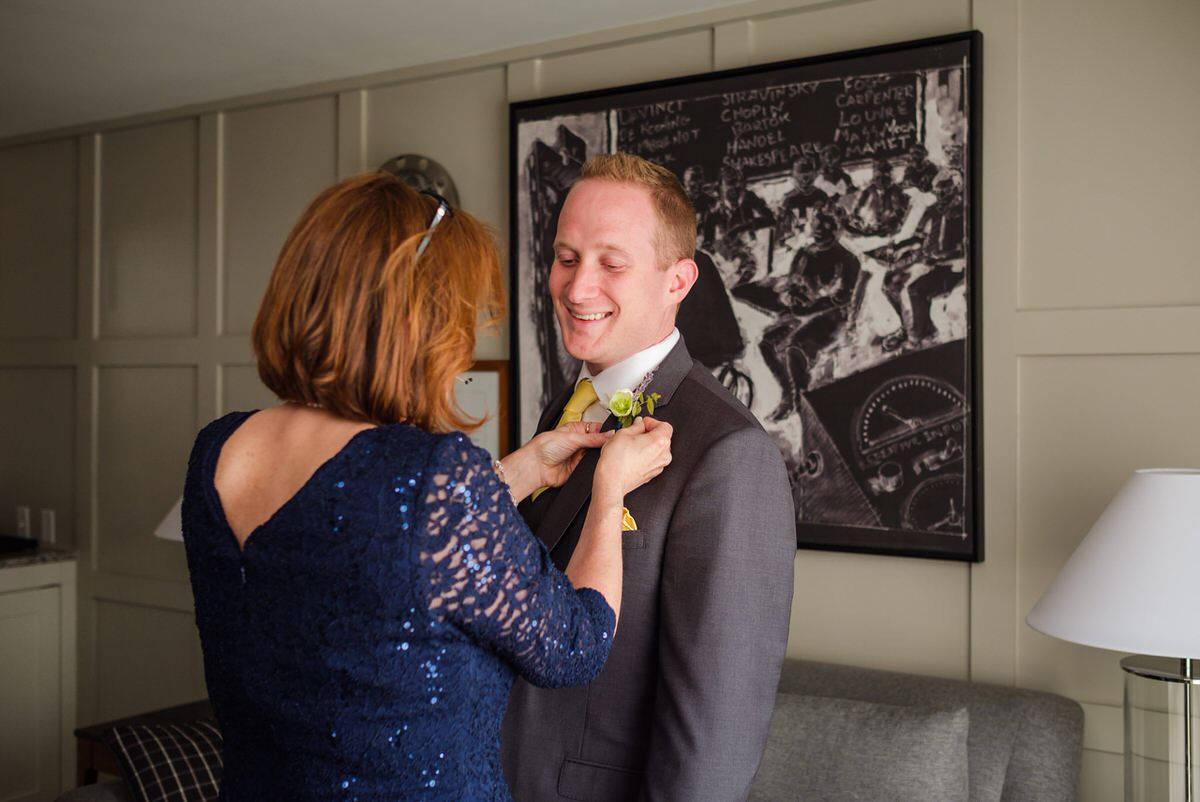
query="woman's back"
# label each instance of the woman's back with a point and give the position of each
(270, 456)
(361, 641)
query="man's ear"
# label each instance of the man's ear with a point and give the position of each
(683, 276)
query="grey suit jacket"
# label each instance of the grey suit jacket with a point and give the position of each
(681, 709)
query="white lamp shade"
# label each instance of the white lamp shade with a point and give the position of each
(1131, 584)
(171, 527)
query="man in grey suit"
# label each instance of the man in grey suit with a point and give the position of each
(681, 709)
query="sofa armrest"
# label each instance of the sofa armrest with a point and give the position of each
(1045, 761)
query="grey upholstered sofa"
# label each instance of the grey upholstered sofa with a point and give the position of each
(846, 733)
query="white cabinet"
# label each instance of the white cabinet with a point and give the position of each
(37, 680)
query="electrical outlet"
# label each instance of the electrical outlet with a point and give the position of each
(24, 527)
(49, 536)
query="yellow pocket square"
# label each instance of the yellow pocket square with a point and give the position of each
(627, 522)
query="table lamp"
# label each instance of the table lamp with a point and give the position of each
(171, 526)
(1131, 586)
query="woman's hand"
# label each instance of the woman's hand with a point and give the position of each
(550, 457)
(637, 454)
(559, 450)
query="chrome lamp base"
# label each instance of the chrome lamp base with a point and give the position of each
(1184, 673)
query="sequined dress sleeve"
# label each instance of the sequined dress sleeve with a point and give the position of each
(491, 577)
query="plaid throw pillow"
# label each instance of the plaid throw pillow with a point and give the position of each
(169, 762)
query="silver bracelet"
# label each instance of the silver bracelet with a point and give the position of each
(498, 467)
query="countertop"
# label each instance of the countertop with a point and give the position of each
(44, 554)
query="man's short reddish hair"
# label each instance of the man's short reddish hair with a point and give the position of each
(676, 215)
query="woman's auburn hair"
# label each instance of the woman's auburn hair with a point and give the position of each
(353, 322)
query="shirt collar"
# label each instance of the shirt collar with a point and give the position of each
(629, 372)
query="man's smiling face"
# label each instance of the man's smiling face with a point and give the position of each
(611, 294)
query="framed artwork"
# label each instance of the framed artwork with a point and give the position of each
(837, 209)
(482, 392)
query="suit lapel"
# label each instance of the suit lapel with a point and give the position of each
(562, 508)
(670, 373)
(554, 410)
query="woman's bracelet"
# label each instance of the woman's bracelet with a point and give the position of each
(498, 467)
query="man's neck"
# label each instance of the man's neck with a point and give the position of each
(629, 372)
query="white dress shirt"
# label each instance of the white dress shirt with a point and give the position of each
(625, 375)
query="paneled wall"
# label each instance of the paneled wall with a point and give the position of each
(132, 257)
(1107, 352)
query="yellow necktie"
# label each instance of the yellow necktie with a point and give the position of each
(583, 397)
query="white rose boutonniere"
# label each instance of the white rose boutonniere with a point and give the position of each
(627, 405)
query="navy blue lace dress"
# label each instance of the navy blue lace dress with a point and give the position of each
(362, 644)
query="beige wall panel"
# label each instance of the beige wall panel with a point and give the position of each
(30, 690)
(37, 438)
(1102, 777)
(1085, 424)
(993, 582)
(829, 28)
(733, 44)
(1109, 164)
(146, 425)
(148, 204)
(276, 159)
(242, 390)
(460, 121)
(38, 225)
(1104, 727)
(654, 59)
(894, 613)
(146, 658)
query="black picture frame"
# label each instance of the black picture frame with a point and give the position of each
(850, 323)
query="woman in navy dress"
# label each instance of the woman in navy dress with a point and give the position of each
(365, 589)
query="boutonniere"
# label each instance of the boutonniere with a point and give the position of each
(627, 405)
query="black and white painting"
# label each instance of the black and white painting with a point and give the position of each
(837, 211)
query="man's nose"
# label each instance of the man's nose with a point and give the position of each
(584, 284)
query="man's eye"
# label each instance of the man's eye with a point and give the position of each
(614, 266)
(566, 261)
